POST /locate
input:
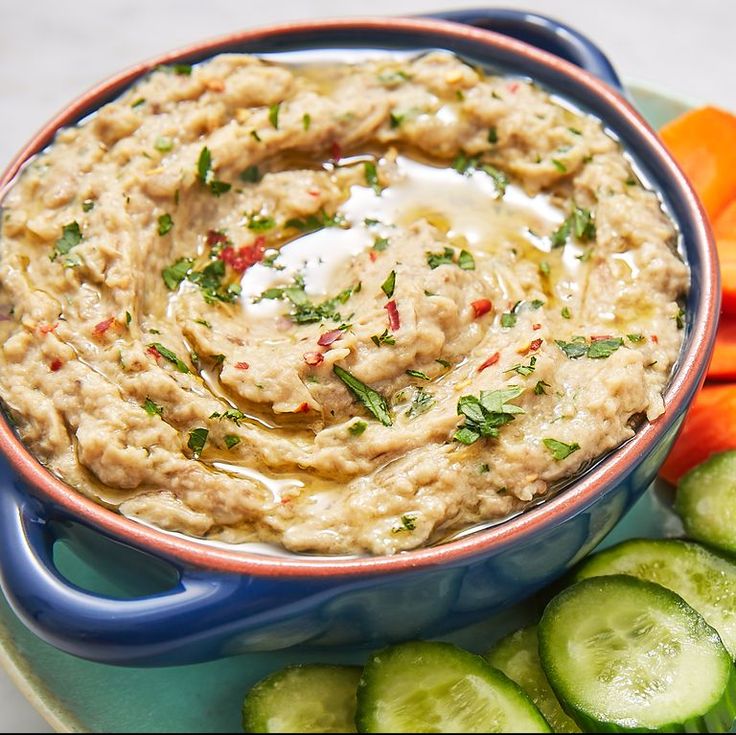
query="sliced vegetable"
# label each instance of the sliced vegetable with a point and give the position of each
(723, 363)
(706, 581)
(309, 698)
(703, 141)
(706, 501)
(436, 687)
(517, 656)
(625, 655)
(708, 429)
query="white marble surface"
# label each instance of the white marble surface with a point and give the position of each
(51, 50)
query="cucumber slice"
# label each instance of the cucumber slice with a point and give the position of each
(309, 698)
(625, 655)
(517, 655)
(706, 501)
(706, 581)
(435, 687)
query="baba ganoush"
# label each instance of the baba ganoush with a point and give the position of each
(337, 307)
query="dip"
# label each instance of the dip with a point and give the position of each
(342, 308)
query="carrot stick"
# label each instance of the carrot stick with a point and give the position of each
(723, 363)
(724, 226)
(710, 426)
(727, 258)
(703, 141)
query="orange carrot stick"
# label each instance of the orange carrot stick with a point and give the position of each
(710, 426)
(703, 141)
(723, 363)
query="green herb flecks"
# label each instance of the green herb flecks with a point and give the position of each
(492, 136)
(603, 348)
(389, 285)
(380, 244)
(565, 313)
(306, 121)
(680, 318)
(635, 337)
(205, 174)
(577, 347)
(539, 388)
(167, 354)
(197, 440)
(71, 236)
(559, 165)
(176, 273)
(371, 176)
(418, 374)
(152, 409)
(523, 370)
(357, 428)
(421, 402)
(467, 165)
(466, 261)
(579, 223)
(260, 223)
(163, 144)
(87, 205)
(273, 115)
(560, 450)
(165, 223)
(395, 120)
(231, 440)
(484, 416)
(386, 338)
(250, 174)
(231, 414)
(371, 399)
(508, 320)
(316, 221)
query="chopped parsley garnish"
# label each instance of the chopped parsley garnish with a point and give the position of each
(128, 318)
(71, 236)
(435, 260)
(597, 349)
(205, 175)
(484, 416)
(466, 261)
(500, 180)
(492, 136)
(203, 322)
(408, 522)
(444, 363)
(371, 176)
(380, 244)
(389, 285)
(87, 205)
(602, 348)
(539, 388)
(138, 102)
(559, 165)
(559, 449)
(176, 273)
(680, 318)
(575, 131)
(152, 409)
(251, 174)
(232, 414)
(357, 428)
(544, 268)
(219, 187)
(163, 144)
(371, 399)
(421, 402)
(209, 280)
(508, 320)
(395, 120)
(635, 337)
(197, 440)
(579, 223)
(165, 223)
(566, 313)
(273, 115)
(483, 469)
(383, 339)
(255, 136)
(167, 354)
(393, 77)
(184, 70)
(418, 374)
(260, 222)
(523, 370)
(466, 166)
(231, 440)
(306, 120)
(316, 221)
(305, 311)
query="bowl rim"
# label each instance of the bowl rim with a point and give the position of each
(586, 490)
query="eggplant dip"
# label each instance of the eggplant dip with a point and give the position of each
(341, 308)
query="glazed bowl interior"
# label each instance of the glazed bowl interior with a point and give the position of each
(495, 53)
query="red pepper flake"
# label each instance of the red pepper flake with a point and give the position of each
(394, 322)
(242, 365)
(599, 337)
(314, 358)
(215, 238)
(373, 255)
(492, 360)
(243, 258)
(481, 307)
(103, 326)
(285, 501)
(536, 326)
(303, 408)
(329, 337)
(216, 85)
(313, 192)
(153, 352)
(512, 87)
(655, 339)
(534, 345)
(336, 152)
(56, 364)
(46, 328)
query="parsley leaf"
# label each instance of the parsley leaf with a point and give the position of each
(389, 285)
(539, 388)
(575, 349)
(152, 409)
(370, 398)
(466, 261)
(273, 115)
(508, 320)
(231, 440)
(435, 260)
(71, 236)
(204, 164)
(176, 273)
(167, 354)
(380, 244)
(251, 174)
(197, 440)
(260, 223)
(485, 415)
(418, 374)
(559, 449)
(371, 176)
(602, 348)
(165, 223)
(232, 414)
(357, 428)
(383, 339)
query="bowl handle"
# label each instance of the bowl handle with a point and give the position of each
(540, 31)
(122, 631)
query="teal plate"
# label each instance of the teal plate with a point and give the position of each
(79, 696)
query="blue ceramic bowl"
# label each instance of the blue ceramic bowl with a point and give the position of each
(201, 602)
